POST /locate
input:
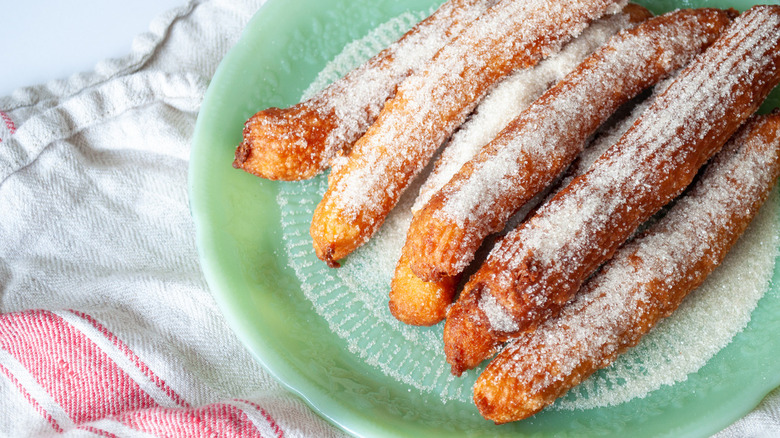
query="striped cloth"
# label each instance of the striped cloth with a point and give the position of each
(107, 325)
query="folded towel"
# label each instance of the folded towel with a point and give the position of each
(107, 326)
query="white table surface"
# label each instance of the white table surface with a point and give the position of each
(46, 40)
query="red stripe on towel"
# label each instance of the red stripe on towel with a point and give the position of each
(31, 400)
(271, 422)
(8, 122)
(89, 386)
(222, 420)
(79, 376)
(121, 346)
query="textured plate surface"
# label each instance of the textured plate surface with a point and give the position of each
(243, 256)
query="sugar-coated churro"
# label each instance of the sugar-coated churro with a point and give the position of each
(482, 340)
(299, 142)
(539, 144)
(418, 302)
(429, 105)
(539, 266)
(646, 281)
(512, 95)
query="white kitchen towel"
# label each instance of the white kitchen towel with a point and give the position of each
(107, 327)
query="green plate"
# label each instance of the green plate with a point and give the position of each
(243, 257)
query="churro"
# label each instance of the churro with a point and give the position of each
(543, 140)
(418, 302)
(646, 281)
(299, 142)
(539, 266)
(429, 105)
(513, 95)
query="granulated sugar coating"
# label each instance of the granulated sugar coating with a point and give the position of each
(353, 299)
(646, 280)
(298, 142)
(704, 323)
(548, 135)
(509, 98)
(429, 105)
(357, 52)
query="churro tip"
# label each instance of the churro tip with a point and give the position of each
(490, 406)
(326, 254)
(417, 302)
(243, 151)
(468, 339)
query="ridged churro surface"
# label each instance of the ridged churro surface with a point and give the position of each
(299, 142)
(539, 266)
(429, 105)
(512, 95)
(352, 303)
(539, 144)
(419, 302)
(645, 281)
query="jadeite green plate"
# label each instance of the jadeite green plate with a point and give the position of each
(239, 236)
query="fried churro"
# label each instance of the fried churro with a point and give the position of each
(418, 302)
(299, 142)
(540, 143)
(429, 105)
(536, 269)
(645, 282)
(513, 95)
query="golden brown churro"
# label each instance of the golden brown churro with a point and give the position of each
(645, 281)
(299, 142)
(539, 144)
(539, 266)
(418, 302)
(513, 94)
(427, 108)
